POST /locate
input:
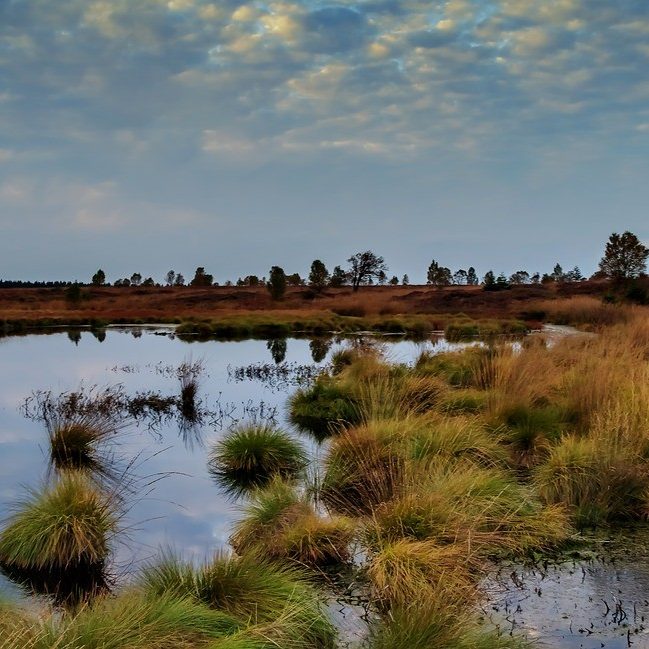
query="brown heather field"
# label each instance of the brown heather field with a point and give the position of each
(177, 304)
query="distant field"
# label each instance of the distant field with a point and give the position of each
(34, 306)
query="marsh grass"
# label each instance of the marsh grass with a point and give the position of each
(78, 442)
(285, 525)
(275, 597)
(599, 482)
(466, 503)
(250, 456)
(132, 620)
(361, 470)
(58, 541)
(324, 408)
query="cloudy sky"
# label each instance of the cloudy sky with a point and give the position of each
(154, 134)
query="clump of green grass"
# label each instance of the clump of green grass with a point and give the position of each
(361, 470)
(76, 441)
(58, 541)
(463, 502)
(430, 437)
(464, 401)
(456, 368)
(251, 456)
(284, 525)
(596, 480)
(422, 625)
(274, 597)
(530, 428)
(132, 620)
(323, 408)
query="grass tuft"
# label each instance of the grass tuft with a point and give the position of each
(251, 456)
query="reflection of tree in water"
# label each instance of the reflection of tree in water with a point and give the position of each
(99, 334)
(136, 333)
(74, 336)
(277, 348)
(319, 349)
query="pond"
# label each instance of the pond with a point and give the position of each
(178, 505)
(587, 603)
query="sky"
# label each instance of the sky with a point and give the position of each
(148, 135)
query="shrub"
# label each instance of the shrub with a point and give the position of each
(250, 456)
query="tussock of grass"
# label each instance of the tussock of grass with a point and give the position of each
(253, 590)
(361, 470)
(597, 481)
(324, 408)
(284, 525)
(406, 571)
(464, 401)
(251, 456)
(76, 441)
(465, 503)
(58, 541)
(456, 368)
(130, 620)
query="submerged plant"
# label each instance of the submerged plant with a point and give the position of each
(250, 456)
(58, 541)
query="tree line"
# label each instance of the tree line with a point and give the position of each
(624, 258)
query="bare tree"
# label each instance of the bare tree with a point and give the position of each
(365, 266)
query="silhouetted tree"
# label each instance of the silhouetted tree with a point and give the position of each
(438, 275)
(318, 276)
(136, 279)
(180, 280)
(170, 277)
(625, 257)
(276, 283)
(394, 280)
(201, 278)
(472, 277)
(405, 280)
(294, 280)
(557, 273)
(148, 282)
(489, 281)
(365, 266)
(519, 277)
(338, 277)
(99, 278)
(574, 275)
(459, 277)
(382, 277)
